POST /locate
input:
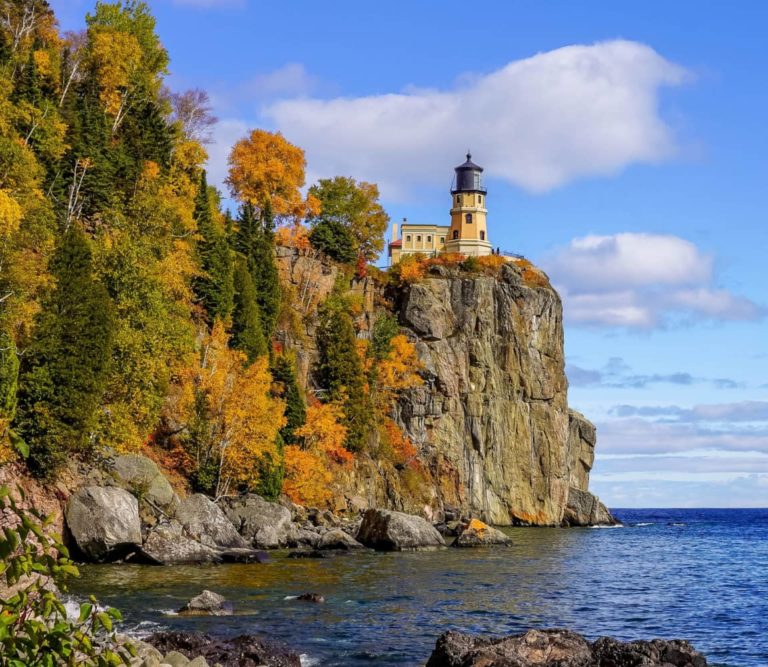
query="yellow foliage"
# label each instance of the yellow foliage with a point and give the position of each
(151, 170)
(42, 60)
(400, 369)
(493, 262)
(324, 431)
(293, 236)
(410, 269)
(240, 418)
(307, 478)
(10, 215)
(117, 56)
(531, 275)
(189, 154)
(267, 171)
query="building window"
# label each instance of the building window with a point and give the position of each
(458, 199)
(429, 239)
(408, 238)
(480, 199)
(418, 239)
(442, 240)
(482, 236)
(455, 233)
(468, 218)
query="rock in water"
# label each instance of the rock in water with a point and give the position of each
(207, 603)
(336, 538)
(559, 648)
(585, 509)
(311, 597)
(104, 522)
(385, 530)
(203, 520)
(265, 525)
(479, 534)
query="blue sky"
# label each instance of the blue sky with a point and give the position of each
(625, 150)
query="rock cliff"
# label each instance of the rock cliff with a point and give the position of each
(496, 438)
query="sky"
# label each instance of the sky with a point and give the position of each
(624, 147)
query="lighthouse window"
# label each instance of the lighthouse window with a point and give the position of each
(480, 199)
(482, 236)
(469, 218)
(455, 233)
(458, 199)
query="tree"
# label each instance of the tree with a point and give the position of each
(215, 288)
(192, 111)
(287, 388)
(255, 241)
(385, 329)
(65, 370)
(341, 372)
(267, 172)
(334, 239)
(247, 329)
(356, 207)
(324, 431)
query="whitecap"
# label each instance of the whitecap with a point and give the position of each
(307, 661)
(291, 597)
(618, 525)
(646, 523)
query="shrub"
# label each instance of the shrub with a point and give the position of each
(531, 275)
(471, 265)
(34, 627)
(408, 270)
(492, 262)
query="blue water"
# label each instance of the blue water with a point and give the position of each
(700, 575)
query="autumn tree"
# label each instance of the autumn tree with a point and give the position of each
(354, 206)
(232, 418)
(65, 370)
(192, 111)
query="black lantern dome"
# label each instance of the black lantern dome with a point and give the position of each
(468, 177)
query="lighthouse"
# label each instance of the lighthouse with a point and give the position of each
(468, 234)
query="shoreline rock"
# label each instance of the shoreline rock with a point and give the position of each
(559, 648)
(385, 530)
(479, 534)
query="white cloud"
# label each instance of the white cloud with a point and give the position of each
(538, 123)
(291, 79)
(641, 281)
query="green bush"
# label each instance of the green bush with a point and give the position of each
(34, 628)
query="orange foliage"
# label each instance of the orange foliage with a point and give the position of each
(531, 275)
(411, 269)
(324, 431)
(293, 236)
(267, 171)
(400, 369)
(403, 450)
(447, 259)
(307, 478)
(493, 262)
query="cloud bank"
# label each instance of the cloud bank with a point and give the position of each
(641, 281)
(537, 123)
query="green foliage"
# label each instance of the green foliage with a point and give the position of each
(284, 375)
(9, 374)
(341, 372)
(34, 628)
(215, 288)
(334, 239)
(385, 329)
(255, 241)
(471, 265)
(65, 370)
(247, 329)
(271, 474)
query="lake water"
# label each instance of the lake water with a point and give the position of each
(700, 575)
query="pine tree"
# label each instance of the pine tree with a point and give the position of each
(284, 375)
(247, 331)
(65, 370)
(215, 288)
(255, 240)
(341, 372)
(9, 372)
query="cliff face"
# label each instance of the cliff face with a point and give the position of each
(495, 436)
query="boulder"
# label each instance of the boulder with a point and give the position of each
(585, 509)
(104, 522)
(143, 479)
(479, 534)
(299, 537)
(265, 525)
(166, 544)
(207, 603)
(558, 648)
(203, 520)
(311, 597)
(336, 538)
(385, 530)
(176, 659)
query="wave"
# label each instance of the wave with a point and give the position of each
(618, 525)
(307, 661)
(644, 523)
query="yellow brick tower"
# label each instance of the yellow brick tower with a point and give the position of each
(468, 234)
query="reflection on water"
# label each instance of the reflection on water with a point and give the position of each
(699, 581)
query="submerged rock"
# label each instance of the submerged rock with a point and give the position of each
(243, 651)
(104, 522)
(207, 603)
(385, 530)
(311, 597)
(559, 648)
(263, 524)
(479, 534)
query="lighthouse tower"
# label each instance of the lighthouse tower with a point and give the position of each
(468, 233)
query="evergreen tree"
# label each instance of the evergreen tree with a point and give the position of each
(255, 240)
(27, 88)
(284, 375)
(247, 331)
(9, 373)
(341, 372)
(271, 473)
(65, 370)
(214, 289)
(384, 330)
(335, 240)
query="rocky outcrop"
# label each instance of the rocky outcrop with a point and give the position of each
(479, 534)
(559, 648)
(104, 522)
(385, 530)
(204, 521)
(585, 509)
(143, 479)
(263, 524)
